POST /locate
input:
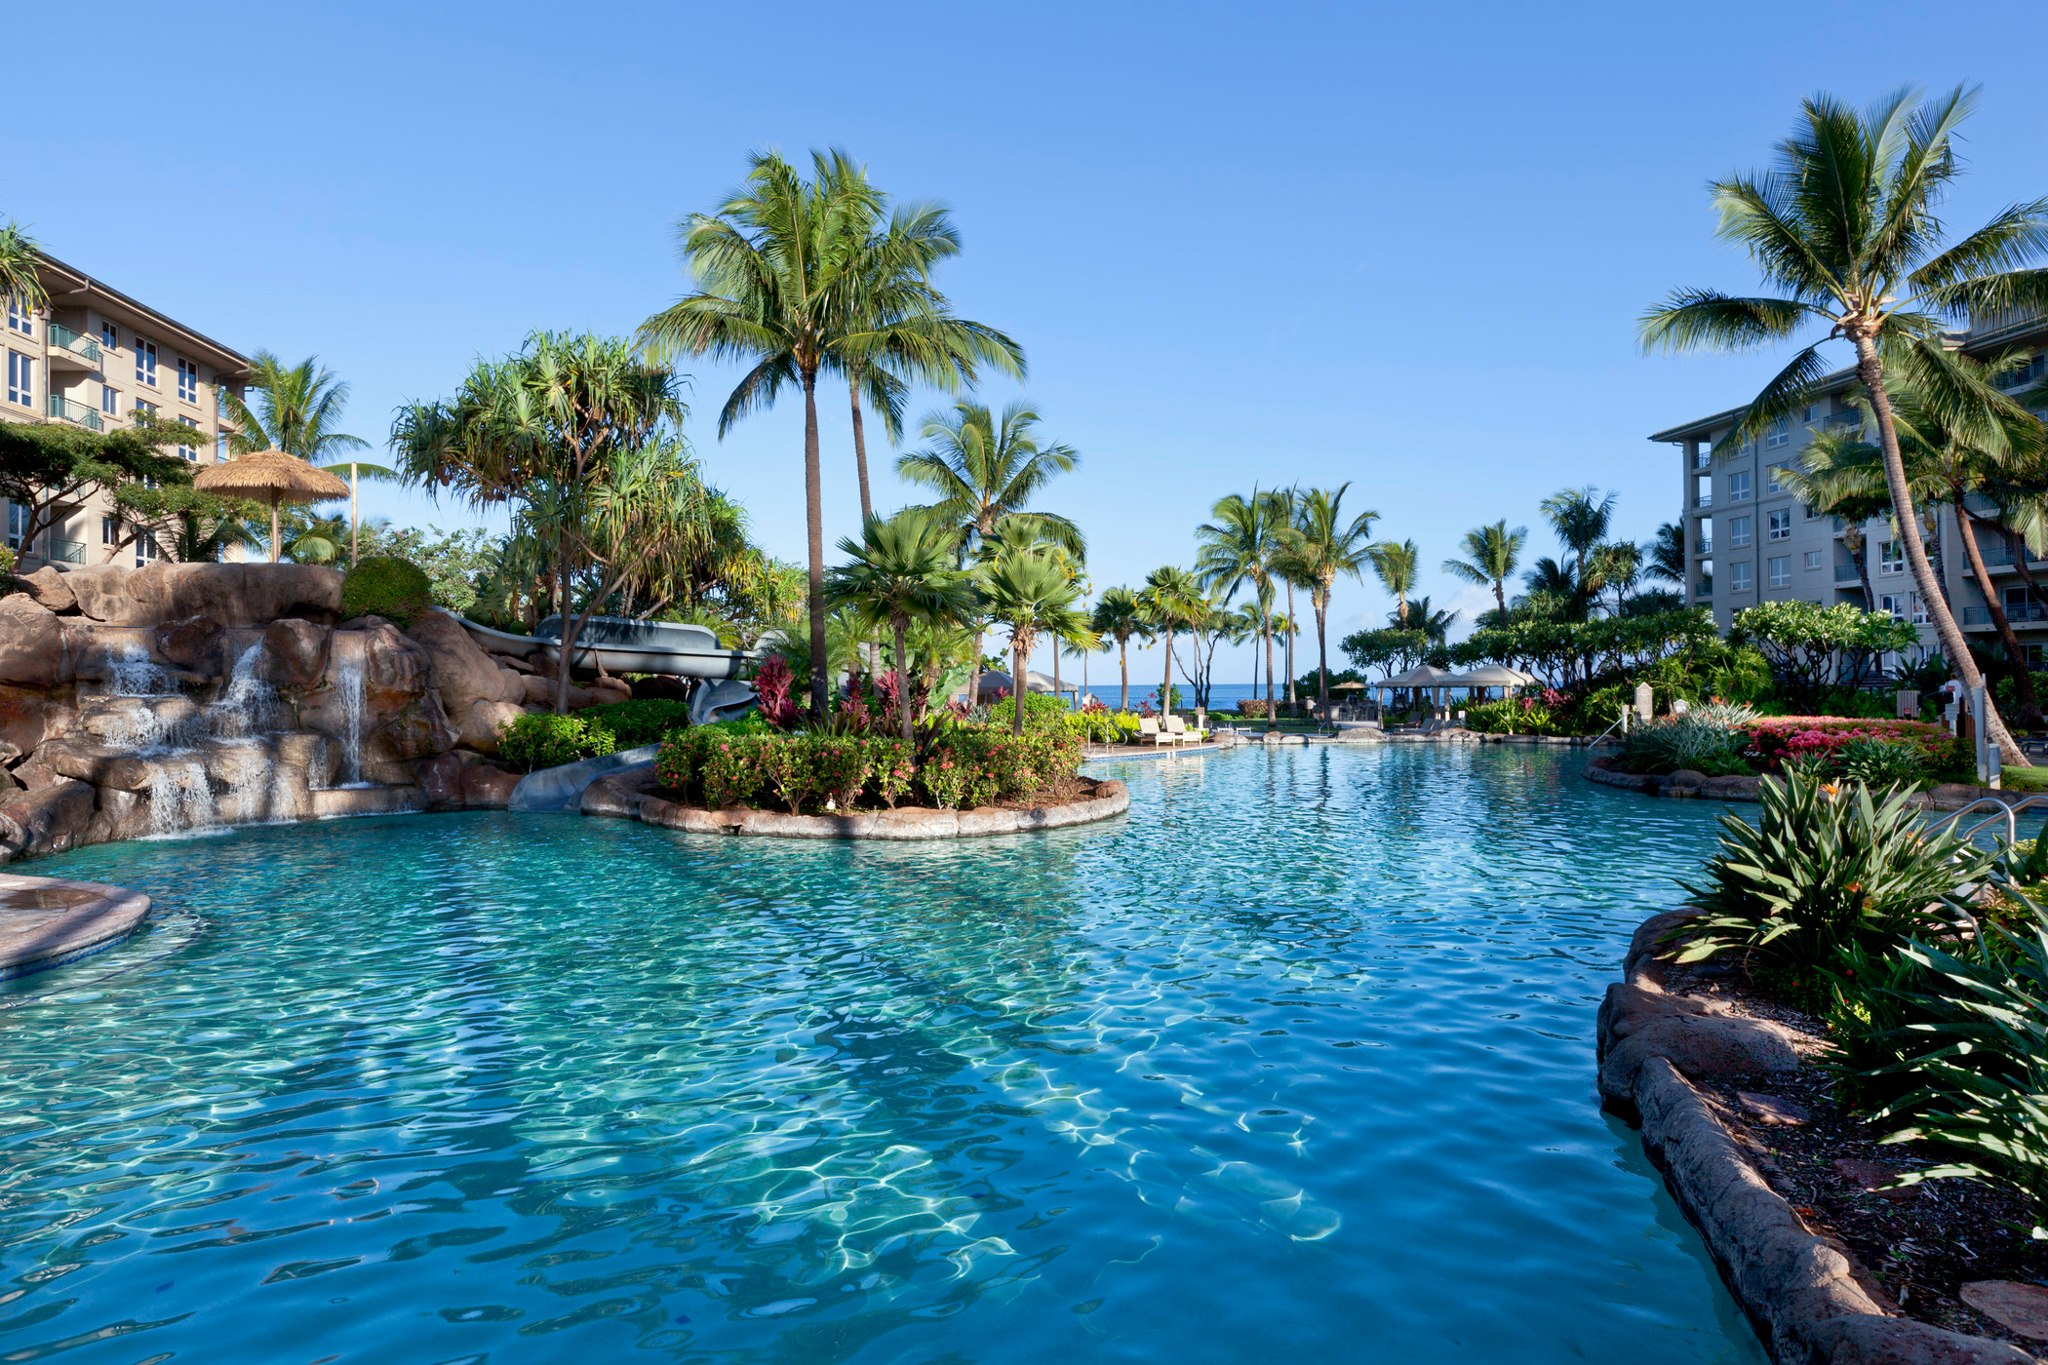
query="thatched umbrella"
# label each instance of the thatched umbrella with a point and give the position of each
(272, 478)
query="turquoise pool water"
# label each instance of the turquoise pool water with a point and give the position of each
(1295, 1062)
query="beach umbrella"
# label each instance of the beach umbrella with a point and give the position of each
(1347, 687)
(272, 478)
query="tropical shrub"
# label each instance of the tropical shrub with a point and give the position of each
(1774, 739)
(1099, 725)
(1824, 868)
(7, 563)
(1698, 743)
(891, 769)
(1253, 708)
(644, 720)
(1979, 1061)
(1810, 646)
(383, 585)
(547, 741)
(1040, 711)
(1884, 763)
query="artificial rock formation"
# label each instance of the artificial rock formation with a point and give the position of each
(145, 700)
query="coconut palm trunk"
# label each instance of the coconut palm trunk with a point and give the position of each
(1859, 558)
(1870, 371)
(1292, 699)
(1123, 667)
(1166, 686)
(1272, 713)
(974, 673)
(1019, 644)
(860, 448)
(1056, 694)
(814, 526)
(2030, 706)
(1320, 603)
(901, 623)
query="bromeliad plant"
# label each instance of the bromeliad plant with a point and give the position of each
(1824, 869)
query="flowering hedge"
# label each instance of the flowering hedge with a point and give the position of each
(961, 766)
(1774, 739)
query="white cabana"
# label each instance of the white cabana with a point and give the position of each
(1486, 676)
(1420, 678)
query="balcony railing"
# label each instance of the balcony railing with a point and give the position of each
(64, 410)
(67, 551)
(1703, 500)
(2014, 611)
(1704, 547)
(75, 344)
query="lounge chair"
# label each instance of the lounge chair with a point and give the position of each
(1149, 732)
(1177, 731)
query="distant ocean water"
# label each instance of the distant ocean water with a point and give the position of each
(1222, 697)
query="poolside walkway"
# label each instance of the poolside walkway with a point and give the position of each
(46, 921)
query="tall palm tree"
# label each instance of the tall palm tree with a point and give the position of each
(1492, 554)
(1172, 599)
(1318, 549)
(1664, 556)
(298, 410)
(1397, 563)
(986, 469)
(902, 572)
(1580, 518)
(1845, 230)
(1026, 591)
(1287, 503)
(19, 282)
(774, 272)
(1434, 624)
(1237, 550)
(1120, 616)
(897, 328)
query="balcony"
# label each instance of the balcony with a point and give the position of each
(66, 551)
(2019, 613)
(1705, 546)
(1703, 500)
(64, 410)
(71, 350)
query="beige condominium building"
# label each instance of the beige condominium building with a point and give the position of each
(96, 358)
(1749, 540)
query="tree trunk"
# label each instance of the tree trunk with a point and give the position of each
(1272, 713)
(1291, 698)
(1859, 556)
(1017, 662)
(974, 674)
(1870, 370)
(1322, 609)
(562, 614)
(1166, 687)
(353, 519)
(1500, 599)
(1123, 665)
(814, 518)
(1056, 694)
(903, 682)
(2030, 706)
(860, 450)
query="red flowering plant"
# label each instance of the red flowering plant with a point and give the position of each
(1774, 740)
(771, 685)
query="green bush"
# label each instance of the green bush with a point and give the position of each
(1040, 711)
(1884, 763)
(1824, 869)
(380, 585)
(1699, 743)
(645, 720)
(547, 741)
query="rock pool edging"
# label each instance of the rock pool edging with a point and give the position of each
(48, 921)
(631, 795)
(1688, 785)
(1805, 1296)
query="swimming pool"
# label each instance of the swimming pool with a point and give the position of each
(1294, 1060)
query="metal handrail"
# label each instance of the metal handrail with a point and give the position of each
(2007, 811)
(1620, 723)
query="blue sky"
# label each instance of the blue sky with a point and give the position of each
(1399, 246)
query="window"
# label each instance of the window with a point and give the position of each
(109, 336)
(220, 447)
(2031, 372)
(1919, 613)
(1891, 557)
(188, 381)
(1809, 412)
(146, 549)
(1812, 560)
(1774, 478)
(1738, 532)
(1738, 486)
(110, 531)
(145, 362)
(21, 379)
(1778, 524)
(187, 452)
(1893, 602)
(17, 524)
(1779, 571)
(1808, 511)
(1778, 434)
(20, 319)
(110, 400)
(1738, 577)
(1703, 455)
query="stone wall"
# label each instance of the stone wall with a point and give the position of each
(260, 704)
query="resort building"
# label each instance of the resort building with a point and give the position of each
(96, 358)
(1749, 540)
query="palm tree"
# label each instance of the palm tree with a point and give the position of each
(1665, 554)
(774, 274)
(1172, 600)
(1026, 591)
(19, 283)
(1120, 616)
(1237, 550)
(1396, 563)
(1845, 230)
(896, 327)
(1492, 554)
(1580, 517)
(1287, 503)
(1320, 547)
(902, 572)
(297, 410)
(1435, 625)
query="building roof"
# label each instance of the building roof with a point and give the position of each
(68, 286)
(1994, 334)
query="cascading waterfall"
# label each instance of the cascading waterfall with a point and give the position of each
(349, 677)
(132, 673)
(179, 796)
(245, 704)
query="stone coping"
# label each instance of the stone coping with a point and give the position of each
(1687, 785)
(1805, 1296)
(1116, 753)
(48, 921)
(632, 795)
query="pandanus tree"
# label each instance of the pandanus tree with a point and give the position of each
(1120, 616)
(298, 410)
(1172, 599)
(902, 572)
(569, 432)
(1321, 546)
(1237, 551)
(1846, 232)
(1026, 590)
(985, 470)
(1492, 554)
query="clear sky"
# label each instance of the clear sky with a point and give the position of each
(1399, 246)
